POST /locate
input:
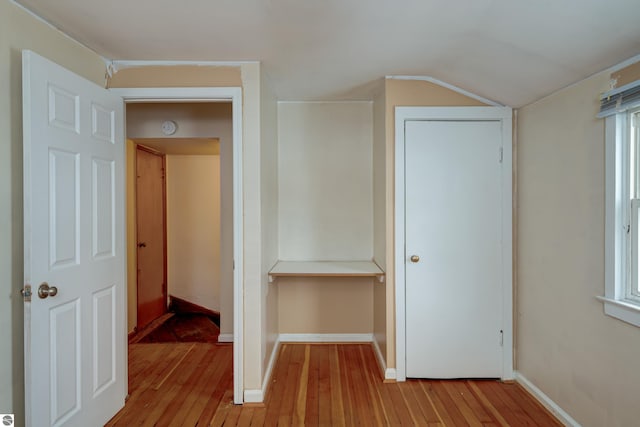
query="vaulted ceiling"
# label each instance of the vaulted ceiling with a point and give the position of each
(510, 51)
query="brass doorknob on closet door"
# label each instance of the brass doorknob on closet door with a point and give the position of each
(44, 290)
(414, 258)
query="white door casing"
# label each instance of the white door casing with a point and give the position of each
(74, 206)
(464, 251)
(216, 94)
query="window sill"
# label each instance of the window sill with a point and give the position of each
(625, 311)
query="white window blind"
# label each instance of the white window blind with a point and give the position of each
(620, 100)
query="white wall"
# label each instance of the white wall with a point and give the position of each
(325, 181)
(582, 359)
(193, 229)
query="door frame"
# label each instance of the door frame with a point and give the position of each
(215, 94)
(505, 116)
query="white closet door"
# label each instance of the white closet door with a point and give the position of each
(453, 225)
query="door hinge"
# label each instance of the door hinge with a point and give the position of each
(501, 154)
(501, 338)
(26, 293)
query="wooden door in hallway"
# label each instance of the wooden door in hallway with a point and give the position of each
(151, 235)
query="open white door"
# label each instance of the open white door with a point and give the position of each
(75, 338)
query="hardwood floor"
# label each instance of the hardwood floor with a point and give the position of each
(190, 384)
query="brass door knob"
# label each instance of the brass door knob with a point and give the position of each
(47, 291)
(414, 258)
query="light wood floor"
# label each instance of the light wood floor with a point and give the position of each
(190, 384)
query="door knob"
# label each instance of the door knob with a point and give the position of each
(47, 291)
(414, 258)
(142, 245)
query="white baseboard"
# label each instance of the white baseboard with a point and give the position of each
(258, 396)
(546, 401)
(225, 338)
(387, 373)
(253, 396)
(326, 337)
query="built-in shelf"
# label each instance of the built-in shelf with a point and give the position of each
(326, 269)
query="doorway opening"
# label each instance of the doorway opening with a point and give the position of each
(230, 146)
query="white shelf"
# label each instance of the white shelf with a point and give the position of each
(326, 269)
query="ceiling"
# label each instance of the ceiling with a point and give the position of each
(510, 51)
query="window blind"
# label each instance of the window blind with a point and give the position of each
(620, 100)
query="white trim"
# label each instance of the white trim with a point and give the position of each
(258, 396)
(225, 338)
(253, 396)
(505, 115)
(387, 373)
(363, 101)
(234, 94)
(624, 64)
(625, 311)
(448, 86)
(616, 220)
(546, 401)
(326, 338)
(123, 64)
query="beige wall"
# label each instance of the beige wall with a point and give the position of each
(325, 212)
(582, 359)
(627, 74)
(177, 76)
(254, 277)
(379, 215)
(330, 305)
(402, 93)
(269, 213)
(193, 229)
(19, 30)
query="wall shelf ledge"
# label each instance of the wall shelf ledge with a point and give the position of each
(326, 269)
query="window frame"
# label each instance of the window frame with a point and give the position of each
(618, 300)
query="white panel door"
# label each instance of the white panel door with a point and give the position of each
(453, 232)
(75, 339)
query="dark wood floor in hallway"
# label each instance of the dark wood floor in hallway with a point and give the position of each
(190, 384)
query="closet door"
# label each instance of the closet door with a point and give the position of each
(453, 240)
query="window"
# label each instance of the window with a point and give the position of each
(621, 109)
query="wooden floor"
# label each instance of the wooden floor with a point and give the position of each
(190, 384)
(183, 327)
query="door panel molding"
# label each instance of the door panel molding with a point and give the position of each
(504, 115)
